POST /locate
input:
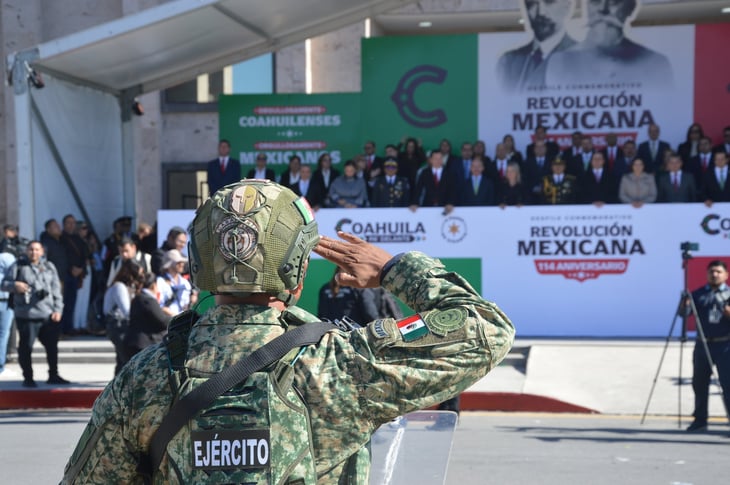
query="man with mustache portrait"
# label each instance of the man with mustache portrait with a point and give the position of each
(607, 54)
(525, 66)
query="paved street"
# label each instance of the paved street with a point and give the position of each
(499, 448)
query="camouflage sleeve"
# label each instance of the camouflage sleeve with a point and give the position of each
(354, 382)
(455, 339)
(102, 455)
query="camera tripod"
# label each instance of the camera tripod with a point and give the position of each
(686, 302)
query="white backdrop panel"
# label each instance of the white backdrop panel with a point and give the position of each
(638, 299)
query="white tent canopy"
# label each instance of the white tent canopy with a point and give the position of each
(79, 151)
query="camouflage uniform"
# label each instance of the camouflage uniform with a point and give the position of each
(352, 382)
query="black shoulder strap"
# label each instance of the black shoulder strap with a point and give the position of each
(204, 395)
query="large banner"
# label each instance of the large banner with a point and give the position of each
(422, 87)
(282, 125)
(613, 271)
(595, 74)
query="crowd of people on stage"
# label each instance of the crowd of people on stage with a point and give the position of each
(106, 284)
(407, 175)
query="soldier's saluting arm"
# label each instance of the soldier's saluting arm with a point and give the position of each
(392, 367)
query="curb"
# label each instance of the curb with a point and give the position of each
(49, 398)
(470, 401)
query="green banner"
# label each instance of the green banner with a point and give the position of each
(282, 125)
(422, 87)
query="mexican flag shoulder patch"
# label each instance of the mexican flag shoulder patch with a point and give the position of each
(412, 328)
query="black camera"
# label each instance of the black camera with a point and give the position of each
(41, 294)
(689, 246)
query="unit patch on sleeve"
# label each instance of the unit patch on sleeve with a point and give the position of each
(443, 322)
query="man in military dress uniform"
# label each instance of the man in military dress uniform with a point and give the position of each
(390, 190)
(559, 187)
(250, 246)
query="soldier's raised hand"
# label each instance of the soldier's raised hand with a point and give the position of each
(361, 262)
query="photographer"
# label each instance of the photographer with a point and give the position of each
(713, 309)
(36, 292)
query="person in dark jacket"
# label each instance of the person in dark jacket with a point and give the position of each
(337, 301)
(177, 238)
(147, 321)
(54, 248)
(511, 190)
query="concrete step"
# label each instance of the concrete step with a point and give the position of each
(77, 358)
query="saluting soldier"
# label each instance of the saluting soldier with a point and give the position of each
(559, 187)
(390, 189)
(252, 256)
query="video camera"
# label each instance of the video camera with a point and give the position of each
(689, 246)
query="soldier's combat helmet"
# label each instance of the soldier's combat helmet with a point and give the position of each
(253, 236)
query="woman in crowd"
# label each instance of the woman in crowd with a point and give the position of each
(117, 304)
(513, 155)
(348, 190)
(637, 187)
(83, 296)
(291, 176)
(148, 322)
(688, 148)
(410, 159)
(176, 292)
(98, 286)
(325, 174)
(511, 190)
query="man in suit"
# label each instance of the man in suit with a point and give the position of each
(525, 66)
(435, 186)
(614, 156)
(574, 148)
(374, 167)
(652, 150)
(291, 176)
(715, 186)
(553, 150)
(581, 163)
(629, 155)
(536, 167)
(596, 185)
(390, 189)
(223, 170)
(725, 145)
(477, 189)
(701, 164)
(461, 167)
(307, 189)
(261, 171)
(675, 185)
(497, 169)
